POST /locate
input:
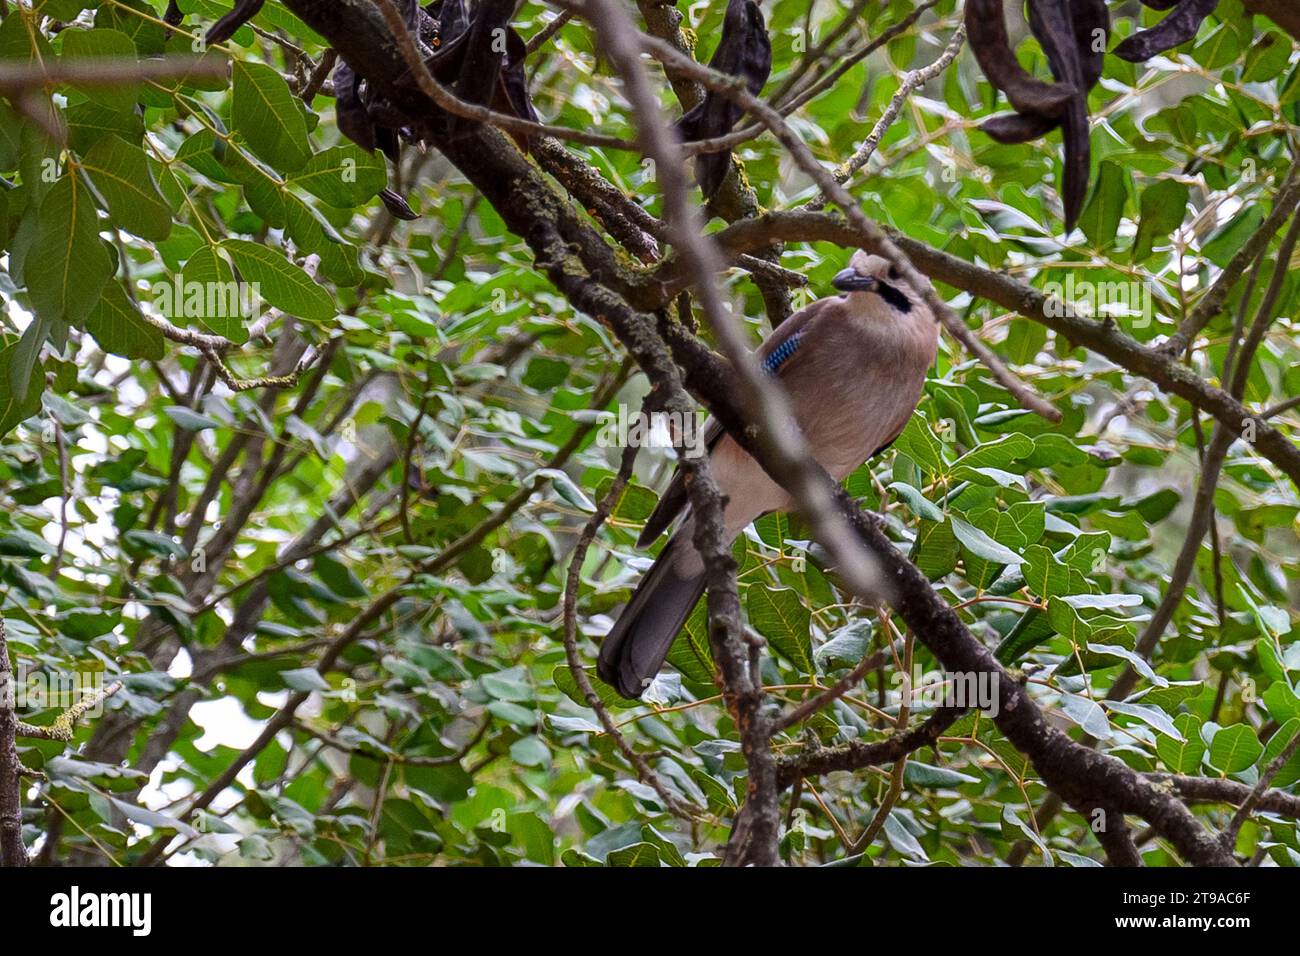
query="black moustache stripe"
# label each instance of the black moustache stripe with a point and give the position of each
(893, 296)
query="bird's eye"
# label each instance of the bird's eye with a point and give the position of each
(893, 272)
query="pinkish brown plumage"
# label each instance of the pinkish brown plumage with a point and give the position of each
(853, 366)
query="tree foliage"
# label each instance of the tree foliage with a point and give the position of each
(323, 548)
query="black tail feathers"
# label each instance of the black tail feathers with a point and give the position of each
(636, 646)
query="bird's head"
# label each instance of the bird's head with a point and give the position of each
(870, 275)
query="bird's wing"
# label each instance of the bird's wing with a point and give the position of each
(777, 349)
(673, 501)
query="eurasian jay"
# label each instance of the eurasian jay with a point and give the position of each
(853, 366)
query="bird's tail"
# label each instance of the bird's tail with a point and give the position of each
(636, 646)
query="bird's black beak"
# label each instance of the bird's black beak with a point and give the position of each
(848, 280)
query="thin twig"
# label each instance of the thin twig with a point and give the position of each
(912, 80)
(572, 583)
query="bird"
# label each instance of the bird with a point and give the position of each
(854, 366)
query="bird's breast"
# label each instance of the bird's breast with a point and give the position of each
(863, 391)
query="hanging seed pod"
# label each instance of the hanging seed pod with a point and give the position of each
(451, 18)
(350, 109)
(744, 51)
(1050, 22)
(1092, 35)
(514, 81)
(396, 205)
(1011, 128)
(480, 73)
(1175, 29)
(481, 54)
(1091, 22)
(1073, 35)
(992, 48)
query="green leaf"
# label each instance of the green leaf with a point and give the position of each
(13, 407)
(152, 818)
(20, 543)
(345, 176)
(1152, 716)
(263, 111)
(919, 505)
(1087, 714)
(263, 189)
(26, 355)
(979, 543)
(847, 646)
(1228, 238)
(1283, 736)
(563, 679)
(312, 233)
(1047, 576)
(1281, 701)
(921, 445)
(1105, 207)
(1161, 211)
(108, 45)
(88, 123)
(189, 419)
(1139, 663)
(1014, 828)
(1183, 756)
(156, 542)
(690, 652)
(279, 281)
(780, 616)
(566, 489)
(305, 679)
(118, 326)
(74, 262)
(1029, 631)
(121, 174)
(636, 855)
(1267, 57)
(1000, 453)
(205, 291)
(917, 774)
(1235, 748)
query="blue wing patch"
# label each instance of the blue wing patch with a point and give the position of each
(781, 353)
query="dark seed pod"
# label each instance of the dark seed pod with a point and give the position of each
(389, 144)
(992, 48)
(1011, 128)
(1050, 22)
(480, 68)
(465, 54)
(1175, 29)
(350, 110)
(514, 81)
(396, 205)
(744, 51)
(1091, 35)
(225, 28)
(1091, 21)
